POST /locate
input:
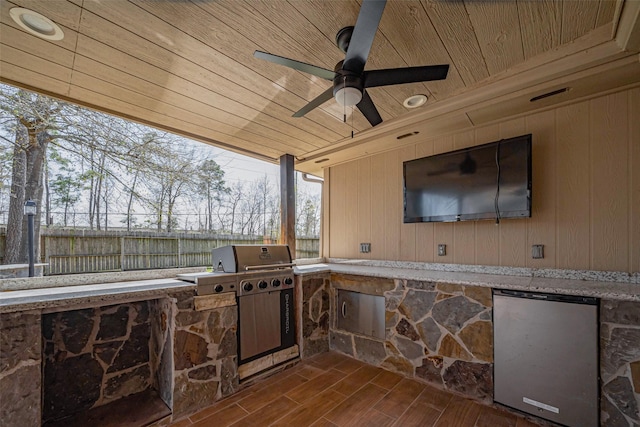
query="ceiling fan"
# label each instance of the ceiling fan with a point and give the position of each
(350, 80)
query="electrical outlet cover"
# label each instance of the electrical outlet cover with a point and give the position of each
(442, 250)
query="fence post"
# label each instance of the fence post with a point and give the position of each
(179, 252)
(122, 253)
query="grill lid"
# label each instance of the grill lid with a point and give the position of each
(240, 258)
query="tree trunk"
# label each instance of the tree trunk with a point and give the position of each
(13, 243)
(26, 184)
(34, 187)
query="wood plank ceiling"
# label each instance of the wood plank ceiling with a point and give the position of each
(187, 66)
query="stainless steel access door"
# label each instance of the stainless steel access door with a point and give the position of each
(361, 313)
(260, 326)
(546, 356)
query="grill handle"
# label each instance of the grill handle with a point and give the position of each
(261, 267)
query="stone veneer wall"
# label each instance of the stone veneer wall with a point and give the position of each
(94, 356)
(313, 306)
(204, 354)
(441, 333)
(620, 363)
(20, 369)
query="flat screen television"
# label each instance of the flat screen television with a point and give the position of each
(489, 181)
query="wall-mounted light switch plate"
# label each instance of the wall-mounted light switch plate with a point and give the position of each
(537, 251)
(365, 248)
(442, 250)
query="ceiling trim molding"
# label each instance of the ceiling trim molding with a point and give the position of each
(628, 30)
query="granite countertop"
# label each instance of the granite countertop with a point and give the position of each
(96, 294)
(605, 285)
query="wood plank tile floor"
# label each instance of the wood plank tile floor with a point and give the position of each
(331, 389)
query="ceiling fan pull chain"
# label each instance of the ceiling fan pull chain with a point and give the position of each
(344, 107)
(352, 122)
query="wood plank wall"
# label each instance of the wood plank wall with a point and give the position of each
(586, 196)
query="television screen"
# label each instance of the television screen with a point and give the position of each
(489, 181)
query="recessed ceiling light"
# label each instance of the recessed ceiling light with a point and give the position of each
(36, 24)
(415, 101)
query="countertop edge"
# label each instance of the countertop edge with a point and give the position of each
(591, 288)
(72, 296)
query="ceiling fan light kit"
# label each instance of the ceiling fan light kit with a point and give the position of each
(350, 80)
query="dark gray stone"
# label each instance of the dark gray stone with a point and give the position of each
(184, 300)
(76, 327)
(71, 386)
(409, 349)
(430, 333)
(621, 394)
(454, 312)
(610, 415)
(405, 328)
(107, 351)
(20, 397)
(207, 372)
(188, 318)
(128, 383)
(308, 324)
(189, 396)
(418, 284)
(229, 344)
(48, 322)
(369, 351)
(323, 323)
(470, 379)
(229, 379)
(486, 315)
(393, 300)
(417, 304)
(620, 312)
(134, 351)
(618, 348)
(341, 342)
(142, 312)
(430, 370)
(20, 339)
(314, 346)
(114, 325)
(325, 301)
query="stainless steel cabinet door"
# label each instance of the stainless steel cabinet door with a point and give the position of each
(259, 323)
(546, 358)
(361, 313)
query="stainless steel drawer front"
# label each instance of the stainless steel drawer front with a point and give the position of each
(361, 313)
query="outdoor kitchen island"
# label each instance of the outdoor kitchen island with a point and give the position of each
(437, 330)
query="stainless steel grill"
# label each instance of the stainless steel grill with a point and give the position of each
(246, 270)
(262, 278)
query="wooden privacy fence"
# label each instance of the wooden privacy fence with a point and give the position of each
(85, 251)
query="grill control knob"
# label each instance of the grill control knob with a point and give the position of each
(218, 288)
(262, 284)
(247, 286)
(275, 283)
(288, 281)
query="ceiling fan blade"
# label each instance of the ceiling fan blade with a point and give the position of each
(396, 76)
(296, 65)
(369, 110)
(318, 101)
(363, 34)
